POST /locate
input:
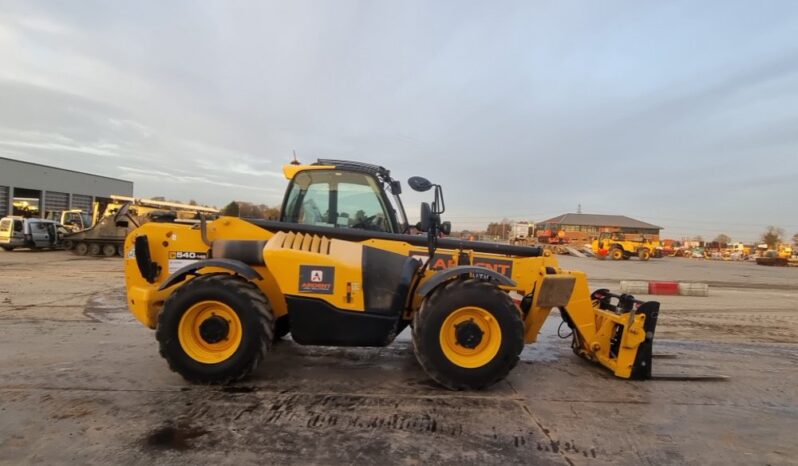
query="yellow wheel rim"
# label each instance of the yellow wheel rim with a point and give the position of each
(210, 332)
(470, 337)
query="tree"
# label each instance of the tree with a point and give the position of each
(231, 209)
(723, 239)
(772, 236)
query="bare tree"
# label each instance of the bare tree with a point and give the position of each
(772, 236)
(723, 239)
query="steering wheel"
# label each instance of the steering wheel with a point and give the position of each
(373, 222)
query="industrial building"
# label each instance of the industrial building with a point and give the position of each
(35, 190)
(585, 227)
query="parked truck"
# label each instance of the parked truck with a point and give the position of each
(521, 233)
(29, 233)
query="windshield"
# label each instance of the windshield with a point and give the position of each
(339, 199)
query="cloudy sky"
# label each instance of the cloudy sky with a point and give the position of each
(684, 114)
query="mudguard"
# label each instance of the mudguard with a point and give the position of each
(237, 267)
(453, 272)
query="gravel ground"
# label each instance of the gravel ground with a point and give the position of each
(81, 382)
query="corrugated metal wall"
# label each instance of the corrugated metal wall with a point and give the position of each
(79, 201)
(56, 203)
(4, 200)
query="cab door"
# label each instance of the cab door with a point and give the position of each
(18, 233)
(40, 234)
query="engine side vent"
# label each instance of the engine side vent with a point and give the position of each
(301, 242)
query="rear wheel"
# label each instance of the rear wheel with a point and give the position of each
(644, 254)
(216, 328)
(7, 248)
(68, 244)
(94, 249)
(109, 250)
(120, 250)
(616, 254)
(468, 334)
(81, 249)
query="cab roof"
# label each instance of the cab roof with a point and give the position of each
(292, 169)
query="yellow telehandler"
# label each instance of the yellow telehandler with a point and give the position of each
(340, 268)
(624, 246)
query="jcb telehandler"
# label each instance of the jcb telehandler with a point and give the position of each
(340, 268)
(622, 246)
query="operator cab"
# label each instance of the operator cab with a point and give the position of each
(339, 194)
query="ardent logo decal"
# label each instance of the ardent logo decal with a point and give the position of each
(443, 261)
(318, 279)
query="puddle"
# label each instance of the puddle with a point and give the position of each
(171, 437)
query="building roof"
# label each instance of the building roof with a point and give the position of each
(595, 220)
(63, 169)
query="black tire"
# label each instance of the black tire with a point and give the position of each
(282, 327)
(81, 249)
(120, 250)
(7, 248)
(109, 250)
(616, 254)
(95, 249)
(251, 307)
(644, 254)
(432, 315)
(68, 244)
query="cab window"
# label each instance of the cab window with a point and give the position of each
(5, 225)
(17, 225)
(337, 199)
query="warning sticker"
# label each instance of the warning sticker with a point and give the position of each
(316, 279)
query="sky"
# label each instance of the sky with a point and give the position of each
(680, 113)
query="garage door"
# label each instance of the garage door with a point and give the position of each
(79, 201)
(4, 200)
(55, 203)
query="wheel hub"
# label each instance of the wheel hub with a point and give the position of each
(214, 329)
(468, 334)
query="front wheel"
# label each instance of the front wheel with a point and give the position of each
(468, 334)
(644, 254)
(616, 254)
(216, 328)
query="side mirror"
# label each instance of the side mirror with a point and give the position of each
(396, 187)
(446, 228)
(426, 213)
(419, 184)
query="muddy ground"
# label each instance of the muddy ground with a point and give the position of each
(81, 382)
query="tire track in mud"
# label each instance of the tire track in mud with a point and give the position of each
(350, 428)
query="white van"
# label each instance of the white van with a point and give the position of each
(33, 233)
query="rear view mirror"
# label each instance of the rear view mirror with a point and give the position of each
(419, 184)
(425, 220)
(396, 187)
